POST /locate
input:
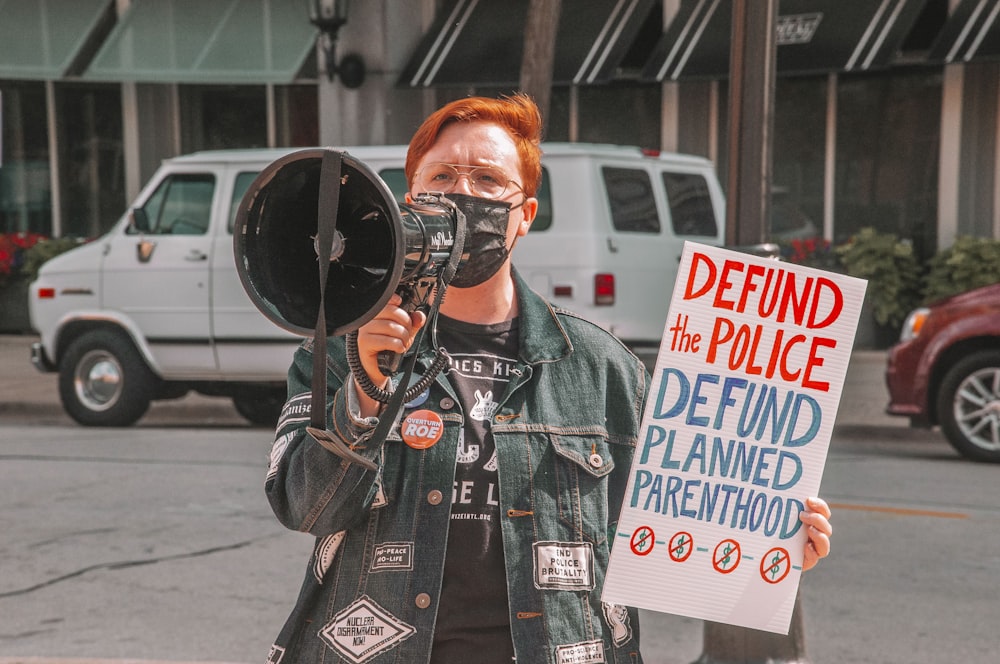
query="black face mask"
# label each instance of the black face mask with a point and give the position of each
(485, 240)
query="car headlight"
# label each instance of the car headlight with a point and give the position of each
(914, 323)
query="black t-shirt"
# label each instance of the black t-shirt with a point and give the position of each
(473, 623)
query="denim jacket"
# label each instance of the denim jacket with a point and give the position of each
(565, 432)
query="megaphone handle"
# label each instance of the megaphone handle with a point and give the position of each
(388, 362)
(414, 295)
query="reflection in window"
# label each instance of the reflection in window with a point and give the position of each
(25, 187)
(92, 159)
(223, 117)
(181, 205)
(691, 211)
(240, 186)
(630, 195)
(888, 135)
(799, 153)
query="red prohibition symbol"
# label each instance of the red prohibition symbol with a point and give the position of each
(642, 541)
(775, 565)
(727, 556)
(681, 545)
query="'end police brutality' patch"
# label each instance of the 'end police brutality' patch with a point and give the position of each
(363, 630)
(564, 565)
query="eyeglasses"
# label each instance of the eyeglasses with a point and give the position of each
(484, 181)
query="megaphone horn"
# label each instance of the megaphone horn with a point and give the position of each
(378, 246)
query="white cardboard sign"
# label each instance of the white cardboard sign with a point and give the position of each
(734, 438)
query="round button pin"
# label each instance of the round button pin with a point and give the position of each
(418, 400)
(421, 429)
(596, 461)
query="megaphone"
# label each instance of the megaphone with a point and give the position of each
(379, 247)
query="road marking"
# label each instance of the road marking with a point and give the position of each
(902, 511)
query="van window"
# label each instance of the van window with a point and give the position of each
(691, 211)
(543, 220)
(181, 205)
(240, 186)
(395, 178)
(630, 195)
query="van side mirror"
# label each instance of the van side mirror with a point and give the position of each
(138, 221)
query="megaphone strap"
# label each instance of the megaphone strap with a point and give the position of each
(326, 226)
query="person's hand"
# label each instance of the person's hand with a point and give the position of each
(392, 329)
(816, 518)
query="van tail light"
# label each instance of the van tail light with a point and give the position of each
(604, 289)
(46, 293)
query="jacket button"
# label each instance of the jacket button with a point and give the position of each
(423, 600)
(596, 461)
(447, 403)
(435, 497)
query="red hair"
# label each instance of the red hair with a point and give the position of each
(517, 114)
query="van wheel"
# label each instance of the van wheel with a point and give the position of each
(969, 406)
(260, 407)
(103, 381)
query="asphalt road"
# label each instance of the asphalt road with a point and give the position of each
(154, 543)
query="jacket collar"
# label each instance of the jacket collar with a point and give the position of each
(543, 337)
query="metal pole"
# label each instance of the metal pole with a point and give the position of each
(751, 121)
(539, 52)
(751, 118)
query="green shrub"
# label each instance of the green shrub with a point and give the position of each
(892, 271)
(43, 250)
(968, 263)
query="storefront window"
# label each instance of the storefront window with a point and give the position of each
(888, 133)
(91, 158)
(297, 113)
(620, 114)
(25, 185)
(797, 159)
(223, 117)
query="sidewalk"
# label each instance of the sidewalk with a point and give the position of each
(33, 396)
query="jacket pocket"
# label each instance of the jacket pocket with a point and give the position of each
(583, 465)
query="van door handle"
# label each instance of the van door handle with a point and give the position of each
(195, 256)
(612, 245)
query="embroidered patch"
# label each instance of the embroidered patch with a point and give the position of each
(393, 556)
(379, 500)
(363, 630)
(564, 565)
(588, 652)
(616, 616)
(278, 451)
(326, 550)
(276, 654)
(296, 409)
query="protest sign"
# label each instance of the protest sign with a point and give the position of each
(734, 438)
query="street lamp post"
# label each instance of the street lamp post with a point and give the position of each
(330, 16)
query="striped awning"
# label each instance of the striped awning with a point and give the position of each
(480, 42)
(193, 41)
(971, 33)
(812, 36)
(40, 39)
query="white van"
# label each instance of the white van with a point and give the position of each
(155, 308)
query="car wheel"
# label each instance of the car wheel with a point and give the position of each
(969, 406)
(103, 381)
(260, 407)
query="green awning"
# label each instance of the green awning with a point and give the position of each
(193, 41)
(40, 38)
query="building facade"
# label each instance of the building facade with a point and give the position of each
(885, 112)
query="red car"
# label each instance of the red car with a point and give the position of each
(946, 371)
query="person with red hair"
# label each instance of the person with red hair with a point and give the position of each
(482, 527)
